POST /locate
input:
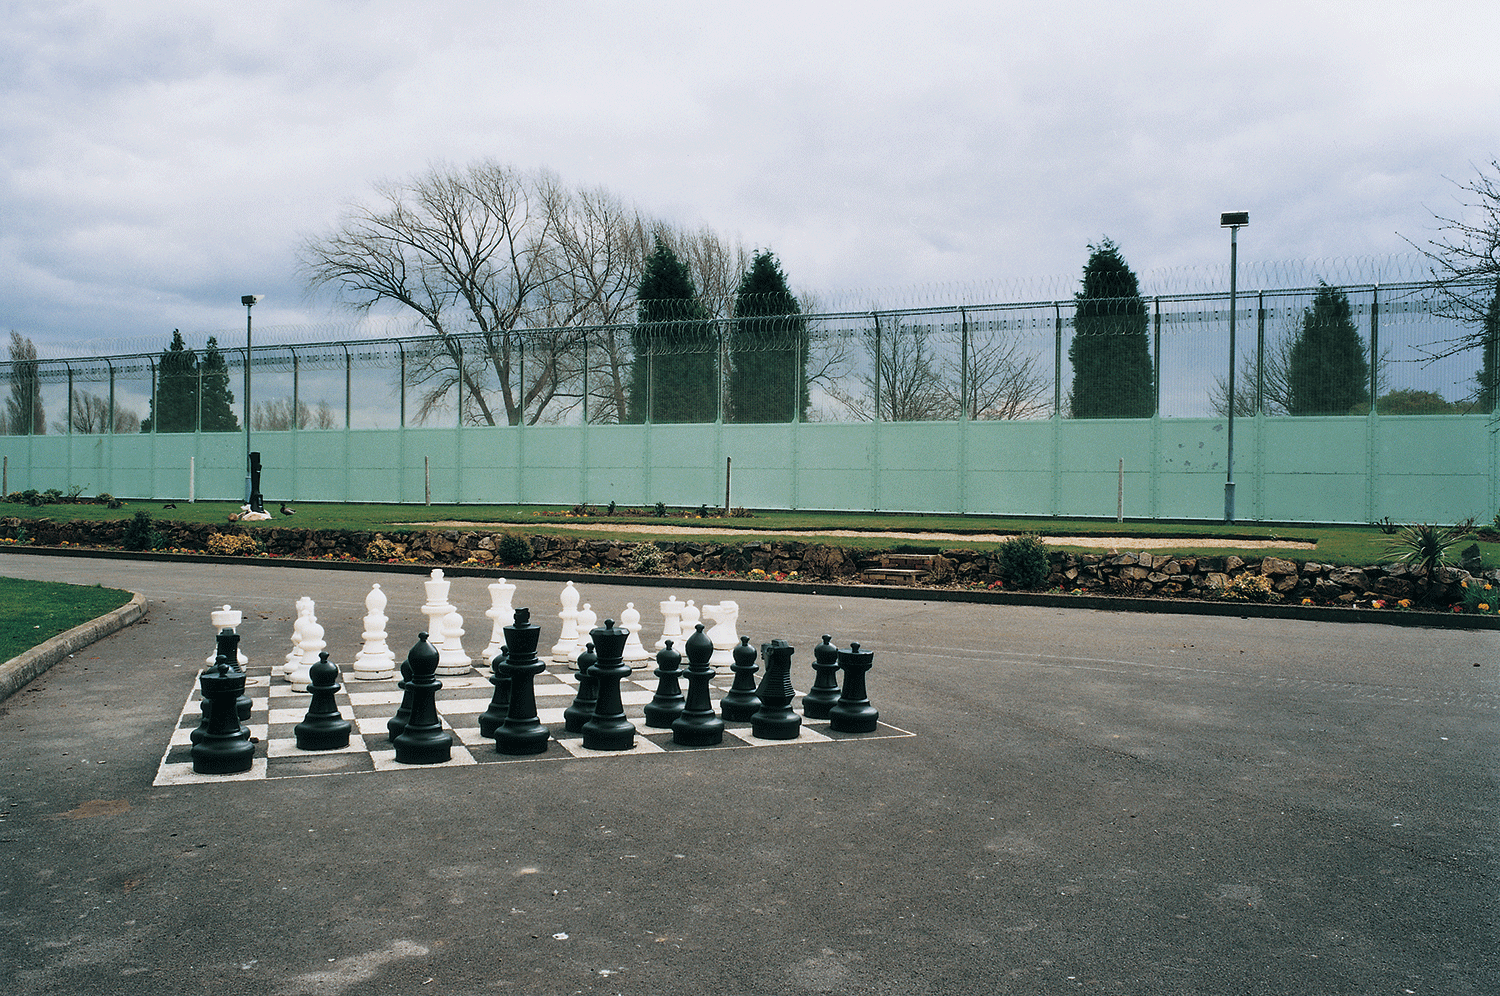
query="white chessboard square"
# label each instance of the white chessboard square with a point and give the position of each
(372, 698)
(804, 736)
(183, 774)
(385, 760)
(642, 746)
(287, 747)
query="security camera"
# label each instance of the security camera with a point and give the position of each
(251, 299)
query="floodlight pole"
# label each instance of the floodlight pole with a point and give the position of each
(1232, 220)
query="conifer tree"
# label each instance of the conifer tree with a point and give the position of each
(1113, 375)
(217, 411)
(1327, 372)
(674, 376)
(175, 406)
(768, 351)
(1489, 363)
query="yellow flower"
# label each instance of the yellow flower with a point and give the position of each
(1484, 606)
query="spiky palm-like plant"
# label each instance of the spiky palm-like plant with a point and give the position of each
(1429, 546)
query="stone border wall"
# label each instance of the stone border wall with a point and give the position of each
(1135, 574)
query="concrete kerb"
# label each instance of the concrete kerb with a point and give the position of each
(1103, 603)
(18, 671)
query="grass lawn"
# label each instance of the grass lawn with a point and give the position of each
(1336, 544)
(32, 612)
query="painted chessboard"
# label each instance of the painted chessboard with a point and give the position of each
(276, 709)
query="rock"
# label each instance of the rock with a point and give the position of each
(1275, 566)
(1216, 580)
(1232, 564)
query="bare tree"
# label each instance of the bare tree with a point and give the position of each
(1465, 260)
(277, 415)
(90, 415)
(1004, 380)
(904, 383)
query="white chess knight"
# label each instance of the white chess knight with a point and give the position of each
(221, 619)
(568, 646)
(725, 615)
(501, 614)
(375, 659)
(635, 653)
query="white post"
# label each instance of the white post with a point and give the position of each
(1120, 494)
(192, 478)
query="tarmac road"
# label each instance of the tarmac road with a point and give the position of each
(1094, 802)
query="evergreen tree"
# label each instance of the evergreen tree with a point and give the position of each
(1111, 355)
(1327, 372)
(768, 353)
(217, 411)
(1489, 362)
(674, 376)
(24, 415)
(175, 406)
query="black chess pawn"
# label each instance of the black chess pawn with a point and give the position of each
(491, 718)
(667, 704)
(424, 741)
(397, 723)
(225, 747)
(852, 713)
(775, 720)
(608, 729)
(323, 728)
(522, 732)
(741, 702)
(582, 708)
(825, 690)
(699, 725)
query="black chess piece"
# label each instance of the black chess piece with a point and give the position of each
(775, 720)
(424, 741)
(667, 704)
(522, 732)
(491, 718)
(608, 729)
(741, 702)
(226, 652)
(582, 708)
(825, 690)
(852, 713)
(323, 728)
(225, 747)
(397, 723)
(699, 725)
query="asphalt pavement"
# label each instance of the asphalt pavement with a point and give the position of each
(1092, 802)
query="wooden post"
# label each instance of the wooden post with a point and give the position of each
(427, 479)
(727, 462)
(1120, 494)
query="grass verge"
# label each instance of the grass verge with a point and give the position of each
(32, 612)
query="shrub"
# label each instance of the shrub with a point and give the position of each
(661, 510)
(381, 548)
(33, 497)
(52, 496)
(1429, 546)
(138, 533)
(1024, 562)
(514, 550)
(645, 558)
(231, 544)
(1249, 588)
(1481, 597)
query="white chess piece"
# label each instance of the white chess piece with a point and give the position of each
(724, 615)
(501, 614)
(436, 608)
(671, 611)
(568, 646)
(690, 617)
(452, 659)
(587, 620)
(375, 659)
(304, 608)
(221, 619)
(300, 674)
(635, 653)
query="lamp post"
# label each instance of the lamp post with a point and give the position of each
(249, 301)
(1232, 220)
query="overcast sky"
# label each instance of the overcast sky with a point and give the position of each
(159, 159)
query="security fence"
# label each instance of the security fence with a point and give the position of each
(1031, 365)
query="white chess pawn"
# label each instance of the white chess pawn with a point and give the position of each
(587, 620)
(689, 623)
(304, 609)
(671, 611)
(312, 644)
(451, 656)
(500, 615)
(222, 619)
(568, 646)
(375, 659)
(724, 615)
(635, 652)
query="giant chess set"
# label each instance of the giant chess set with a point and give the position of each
(589, 695)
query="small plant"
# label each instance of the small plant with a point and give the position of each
(513, 550)
(1024, 562)
(32, 497)
(1481, 597)
(381, 548)
(703, 512)
(645, 558)
(22, 536)
(1386, 526)
(611, 510)
(1249, 588)
(138, 533)
(52, 496)
(1429, 546)
(74, 491)
(232, 544)
(739, 512)
(661, 510)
